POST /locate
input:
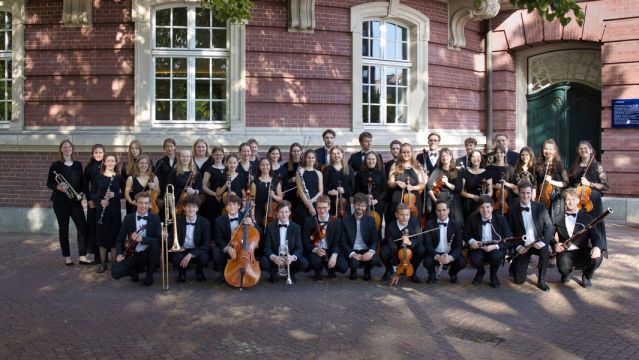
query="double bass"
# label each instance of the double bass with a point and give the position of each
(244, 271)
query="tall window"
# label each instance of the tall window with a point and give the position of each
(5, 66)
(190, 61)
(385, 72)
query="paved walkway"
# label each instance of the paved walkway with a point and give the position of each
(48, 310)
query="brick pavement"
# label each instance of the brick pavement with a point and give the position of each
(49, 311)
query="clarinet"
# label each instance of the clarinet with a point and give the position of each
(440, 267)
(106, 198)
(299, 172)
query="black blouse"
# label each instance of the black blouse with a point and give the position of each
(73, 174)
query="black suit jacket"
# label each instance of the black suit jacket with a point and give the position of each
(201, 234)
(320, 154)
(559, 223)
(511, 157)
(393, 233)
(473, 228)
(153, 231)
(333, 233)
(349, 231)
(543, 225)
(431, 240)
(272, 239)
(355, 161)
(462, 162)
(426, 161)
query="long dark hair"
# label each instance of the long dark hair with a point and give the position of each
(576, 165)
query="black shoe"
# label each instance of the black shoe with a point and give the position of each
(199, 275)
(331, 274)
(585, 282)
(148, 281)
(367, 276)
(387, 275)
(432, 278)
(135, 278)
(415, 279)
(181, 277)
(317, 276)
(494, 283)
(541, 284)
(453, 279)
(86, 262)
(565, 279)
(353, 275)
(479, 277)
(102, 268)
(220, 279)
(293, 279)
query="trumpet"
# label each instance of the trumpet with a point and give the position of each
(71, 193)
(284, 270)
(169, 217)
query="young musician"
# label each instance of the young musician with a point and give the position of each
(194, 236)
(366, 144)
(232, 181)
(184, 177)
(145, 231)
(308, 180)
(404, 171)
(550, 168)
(162, 168)
(443, 179)
(372, 170)
(141, 180)
(338, 179)
(255, 147)
(428, 159)
(324, 153)
(225, 226)
(502, 174)
(210, 183)
(201, 157)
(397, 234)
(444, 246)
(326, 230)
(274, 155)
(581, 252)
(395, 147)
(525, 170)
(502, 140)
(245, 166)
(360, 238)
(530, 218)
(475, 181)
(283, 232)
(484, 225)
(294, 158)
(106, 191)
(463, 162)
(65, 204)
(91, 171)
(264, 187)
(128, 168)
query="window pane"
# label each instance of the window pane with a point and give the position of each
(375, 95)
(202, 17)
(365, 94)
(179, 38)
(179, 89)
(218, 22)
(219, 68)
(9, 41)
(404, 35)
(218, 90)
(376, 48)
(202, 90)
(202, 68)
(162, 67)
(179, 67)
(391, 50)
(365, 51)
(365, 113)
(401, 114)
(391, 97)
(404, 51)
(375, 115)
(202, 38)
(2, 89)
(179, 16)
(376, 31)
(376, 75)
(365, 27)
(403, 80)
(365, 79)
(162, 89)
(202, 111)
(162, 37)
(219, 39)
(3, 113)
(162, 110)
(3, 22)
(9, 71)
(163, 17)
(219, 110)
(3, 69)
(179, 110)
(390, 114)
(401, 96)
(391, 32)
(391, 76)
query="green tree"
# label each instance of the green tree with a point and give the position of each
(237, 11)
(553, 9)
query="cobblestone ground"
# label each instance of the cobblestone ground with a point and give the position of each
(51, 311)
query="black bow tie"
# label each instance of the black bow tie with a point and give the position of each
(525, 208)
(232, 219)
(573, 215)
(442, 224)
(282, 225)
(192, 224)
(485, 222)
(143, 217)
(432, 153)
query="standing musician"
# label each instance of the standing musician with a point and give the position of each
(463, 162)
(264, 187)
(129, 166)
(395, 147)
(484, 225)
(65, 180)
(475, 181)
(194, 236)
(225, 226)
(360, 238)
(162, 167)
(580, 253)
(593, 177)
(91, 171)
(210, 183)
(184, 177)
(106, 191)
(442, 180)
(444, 246)
(432, 155)
(356, 159)
(530, 218)
(511, 156)
(245, 165)
(338, 179)
(145, 232)
(231, 181)
(278, 232)
(308, 180)
(255, 152)
(372, 170)
(274, 155)
(550, 169)
(406, 169)
(326, 231)
(294, 158)
(324, 153)
(202, 161)
(403, 227)
(142, 179)
(501, 172)
(525, 170)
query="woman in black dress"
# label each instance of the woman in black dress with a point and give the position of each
(202, 162)
(280, 171)
(265, 185)
(596, 178)
(184, 177)
(210, 182)
(372, 172)
(91, 171)
(444, 177)
(128, 168)
(106, 191)
(525, 170)
(502, 175)
(245, 166)
(550, 169)
(310, 186)
(141, 180)
(231, 181)
(406, 175)
(294, 157)
(338, 179)
(67, 202)
(475, 181)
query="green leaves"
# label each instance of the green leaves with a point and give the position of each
(554, 9)
(237, 11)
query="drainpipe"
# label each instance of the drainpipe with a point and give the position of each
(489, 85)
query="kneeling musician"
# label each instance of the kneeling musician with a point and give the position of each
(404, 229)
(443, 246)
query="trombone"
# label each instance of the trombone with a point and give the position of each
(169, 218)
(71, 193)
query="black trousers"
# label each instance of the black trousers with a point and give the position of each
(317, 263)
(519, 266)
(494, 258)
(389, 255)
(567, 260)
(458, 264)
(63, 211)
(368, 265)
(140, 261)
(200, 261)
(301, 264)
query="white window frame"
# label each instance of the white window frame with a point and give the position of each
(17, 10)
(419, 33)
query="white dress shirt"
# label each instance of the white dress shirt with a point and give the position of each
(138, 224)
(188, 234)
(442, 247)
(529, 225)
(571, 221)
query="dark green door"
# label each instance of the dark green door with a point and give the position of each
(567, 112)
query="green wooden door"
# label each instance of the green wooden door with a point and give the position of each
(567, 112)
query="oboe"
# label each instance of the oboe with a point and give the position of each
(106, 197)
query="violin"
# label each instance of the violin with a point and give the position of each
(371, 207)
(438, 186)
(130, 244)
(271, 206)
(179, 209)
(584, 192)
(545, 189)
(409, 199)
(319, 233)
(405, 266)
(244, 271)
(501, 195)
(340, 203)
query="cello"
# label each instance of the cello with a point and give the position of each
(371, 207)
(244, 271)
(405, 267)
(584, 191)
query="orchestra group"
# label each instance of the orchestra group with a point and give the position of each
(244, 215)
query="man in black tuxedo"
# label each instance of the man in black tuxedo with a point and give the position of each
(194, 236)
(277, 235)
(530, 218)
(580, 253)
(484, 225)
(327, 252)
(463, 162)
(395, 147)
(324, 153)
(146, 233)
(428, 158)
(444, 246)
(396, 230)
(225, 225)
(511, 156)
(360, 238)
(356, 159)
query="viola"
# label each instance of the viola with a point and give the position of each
(271, 206)
(405, 266)
(371, 207)
(584, 192)
(409, 199)
(154, 194)
(130, 244)
(244, 271)
(319, 233)
(340, 203)
(545, 190)
(502, 195)
(438, 186)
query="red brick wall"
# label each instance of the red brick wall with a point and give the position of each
(78, 75)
